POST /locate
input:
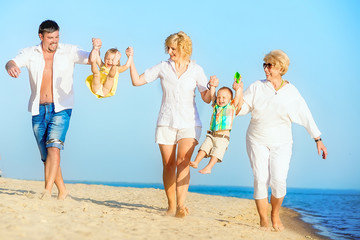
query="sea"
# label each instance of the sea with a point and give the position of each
(335, 214)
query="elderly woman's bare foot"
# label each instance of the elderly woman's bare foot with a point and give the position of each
(182, 212)
(264, 225)
(170, 212)
(277, 224)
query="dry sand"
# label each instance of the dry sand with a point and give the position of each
(104, 212)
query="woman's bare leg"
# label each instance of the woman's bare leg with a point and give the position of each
(262, 208)
(186, 148)
(169, 175)
(275, 213)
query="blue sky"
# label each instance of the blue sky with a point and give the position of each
(113, 139)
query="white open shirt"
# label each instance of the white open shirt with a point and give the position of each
(178, 109)
(272, 113)
(63, 73)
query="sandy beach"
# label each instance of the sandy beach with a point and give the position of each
(105, 212)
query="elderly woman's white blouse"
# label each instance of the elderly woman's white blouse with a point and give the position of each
(178, 109)
(272, 113)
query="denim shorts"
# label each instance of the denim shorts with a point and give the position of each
(50, 128)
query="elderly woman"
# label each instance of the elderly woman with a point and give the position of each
(274, 104)
(178, 126)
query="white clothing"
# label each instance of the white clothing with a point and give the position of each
(272, 113)
(270, 165)
(269, 135)
(65, 57)
(178, 109)
(171, 136)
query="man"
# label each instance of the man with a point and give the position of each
(51, 66)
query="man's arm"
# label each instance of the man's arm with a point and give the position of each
(12, 69)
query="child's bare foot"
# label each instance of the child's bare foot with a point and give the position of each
(94, 55)
(193, 164)
(205, 171)
(116, 58)
(182, 212)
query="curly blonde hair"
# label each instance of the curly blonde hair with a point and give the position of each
(183, 43)
(278, 58)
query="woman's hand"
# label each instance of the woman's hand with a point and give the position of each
(214, 81)
(129, 51)
(321, 148)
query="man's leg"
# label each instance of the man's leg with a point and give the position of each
(53, 173)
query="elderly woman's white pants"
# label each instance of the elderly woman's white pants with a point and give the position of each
(270, 165)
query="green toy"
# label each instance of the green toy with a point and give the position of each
(237, 77)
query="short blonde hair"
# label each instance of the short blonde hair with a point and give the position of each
(112, 50)
(278, 58)
(183, 43)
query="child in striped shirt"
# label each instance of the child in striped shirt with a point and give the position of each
(218, 137)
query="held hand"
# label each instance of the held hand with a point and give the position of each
(96, 43)
(236, 86)
(129, 51)
(321, 148)
(214, 81)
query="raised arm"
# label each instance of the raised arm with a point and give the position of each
(135, 78)
(238, 99)
(129, 54)
(209, 95)
(12, 69)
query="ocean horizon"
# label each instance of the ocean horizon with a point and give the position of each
(333, 213)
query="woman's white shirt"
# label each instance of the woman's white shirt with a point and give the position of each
(272, 113)
(178, 108)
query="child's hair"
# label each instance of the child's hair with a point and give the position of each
(226, 88)
(112, 50)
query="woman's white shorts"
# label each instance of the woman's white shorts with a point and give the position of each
(171, 136)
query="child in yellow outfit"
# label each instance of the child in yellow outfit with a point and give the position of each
(103, 82)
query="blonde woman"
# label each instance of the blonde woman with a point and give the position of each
(274, 104)
(178, 127)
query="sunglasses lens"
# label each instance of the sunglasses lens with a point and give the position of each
(267, 65)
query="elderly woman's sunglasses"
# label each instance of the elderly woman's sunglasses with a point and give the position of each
(267, 65)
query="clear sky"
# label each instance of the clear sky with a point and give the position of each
(113, 139)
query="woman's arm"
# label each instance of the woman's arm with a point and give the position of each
(136, 79)
(209, 95)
